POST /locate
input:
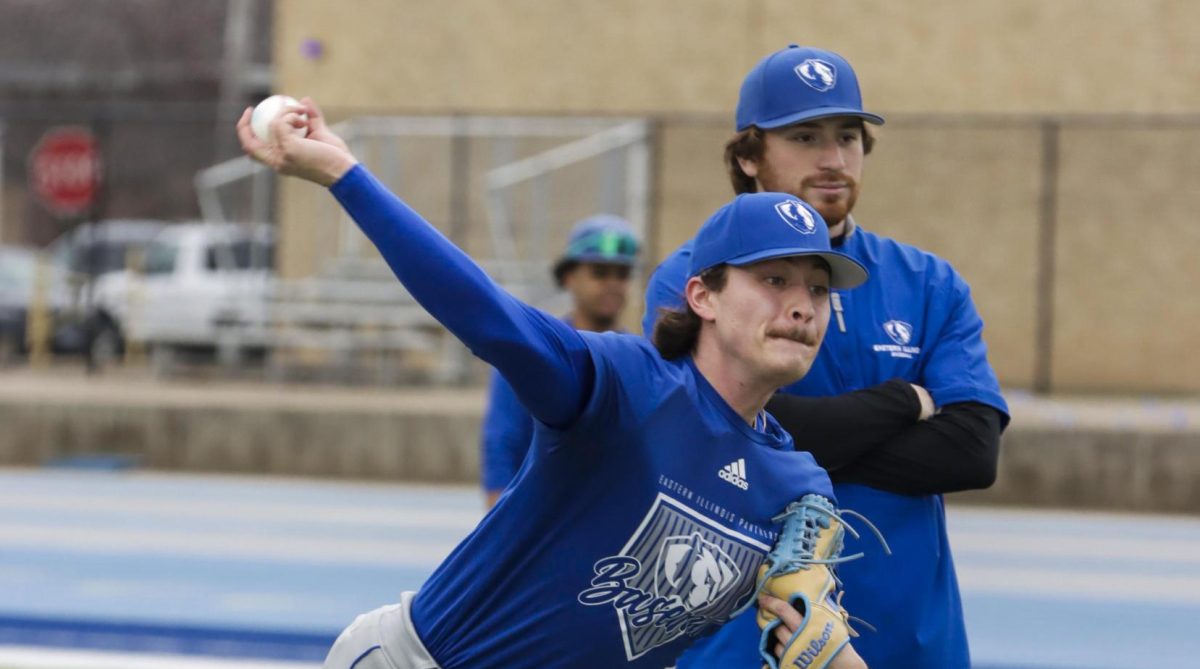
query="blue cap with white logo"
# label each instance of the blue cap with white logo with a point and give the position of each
(799, 84)
(761, 226)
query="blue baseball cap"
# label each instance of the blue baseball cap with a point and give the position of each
(799, 84)
(761, 226)
(603, 238)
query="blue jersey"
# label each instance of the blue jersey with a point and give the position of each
(641, 514)
(505, 435)
(913, 319)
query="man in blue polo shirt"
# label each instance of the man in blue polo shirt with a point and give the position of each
(801, 129)
(594, 269)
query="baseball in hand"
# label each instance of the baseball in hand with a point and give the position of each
(267, 110)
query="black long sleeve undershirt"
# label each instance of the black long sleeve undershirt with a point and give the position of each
(957, 449)
(873, 437)
(840, 429)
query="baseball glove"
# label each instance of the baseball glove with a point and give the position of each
(799, 570)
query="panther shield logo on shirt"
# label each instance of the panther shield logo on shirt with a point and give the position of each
(695, 570)
(680, 573)
(901, 333)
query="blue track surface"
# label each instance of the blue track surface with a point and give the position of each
(246, 567)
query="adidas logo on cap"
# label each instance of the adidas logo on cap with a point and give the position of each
(735, 473)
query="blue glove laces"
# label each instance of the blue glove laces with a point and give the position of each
(796, 547)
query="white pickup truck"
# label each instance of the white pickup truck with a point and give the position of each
(196, 282)
(209, 288)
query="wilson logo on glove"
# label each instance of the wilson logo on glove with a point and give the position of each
(799, 571)
(814, 648)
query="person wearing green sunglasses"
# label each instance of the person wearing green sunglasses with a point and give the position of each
(595, 269)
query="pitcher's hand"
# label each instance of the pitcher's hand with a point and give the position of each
(321, 157)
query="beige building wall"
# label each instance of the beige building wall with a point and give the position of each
(12, 214)
(969, 195)
(535, 56)
(1128, 291)
(672, 56)
(1007, 56)
(958, 169)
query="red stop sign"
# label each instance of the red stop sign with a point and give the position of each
(64, 169)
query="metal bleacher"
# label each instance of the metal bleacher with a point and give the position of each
(354, 321)
(351, 320)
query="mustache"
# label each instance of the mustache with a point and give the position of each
(801, 335)
(827, 177)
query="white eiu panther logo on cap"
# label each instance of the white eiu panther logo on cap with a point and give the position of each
(796, 215)
(899, 331)
(819, 74)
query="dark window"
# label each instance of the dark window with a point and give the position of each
(242, 254)
(160, 259)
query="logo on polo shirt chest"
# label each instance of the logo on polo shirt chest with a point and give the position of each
(901, 333)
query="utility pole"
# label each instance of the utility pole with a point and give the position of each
(235, 65)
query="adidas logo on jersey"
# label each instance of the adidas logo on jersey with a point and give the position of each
(735, 473)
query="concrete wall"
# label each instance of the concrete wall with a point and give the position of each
(418, 436)
(966, 186)
(1057, 453)
(1115, 470)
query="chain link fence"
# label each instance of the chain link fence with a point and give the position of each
(1076, 233)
